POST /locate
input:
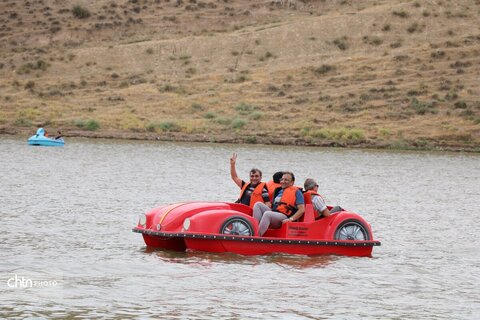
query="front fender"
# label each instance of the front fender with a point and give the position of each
(210, 222)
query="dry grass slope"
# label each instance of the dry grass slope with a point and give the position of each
(372, 73)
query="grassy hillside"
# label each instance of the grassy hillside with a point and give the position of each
(377, 73)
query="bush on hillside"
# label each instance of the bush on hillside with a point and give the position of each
(80, 12)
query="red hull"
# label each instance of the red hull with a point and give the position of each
(255, 245)
(246, 248)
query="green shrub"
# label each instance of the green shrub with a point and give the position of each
(167, 88)
(256, 115)
(341, 43)
(384, 132)
(79, 123)
(374, 41)
(210, 115)
(166, 126)
(324, 68)
(191, 71)
(39, 65)
(401, 14)
(354, 134)
(450, 96)
(169, 126)
(197, 106)
(437, 54)
(238, 123)
(460, 105)
(346, 134)
(467, 113)
(80, 12)
(29, 85)
(92, 125)
(237, 79)
(151, 127)
(421, 107)
(244, 108)
(413, 27)
(223, 121)
(23, 122)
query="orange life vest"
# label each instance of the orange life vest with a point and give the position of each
(256, 194)
(307, 195)
(271, 186)
(287, 204)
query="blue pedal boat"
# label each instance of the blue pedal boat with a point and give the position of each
(39, 139)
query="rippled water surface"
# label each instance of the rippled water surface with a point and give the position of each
(66, 217)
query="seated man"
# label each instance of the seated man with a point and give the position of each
(311, 195)
(288, 205)
(59, 135)
(252, 192)
(273, 184)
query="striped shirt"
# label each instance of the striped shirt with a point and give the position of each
(318, 203)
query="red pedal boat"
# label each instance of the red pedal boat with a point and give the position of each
(230, 227)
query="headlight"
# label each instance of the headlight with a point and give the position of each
(159, 227)
(186, 224)
(142, 220)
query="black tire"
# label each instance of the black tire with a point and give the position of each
(237, 226)
(352, 229)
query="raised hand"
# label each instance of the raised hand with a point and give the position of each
(233, 159)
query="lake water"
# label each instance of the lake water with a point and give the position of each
(67, 249)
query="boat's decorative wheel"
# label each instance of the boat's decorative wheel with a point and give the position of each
(237, 226)
(352, 230)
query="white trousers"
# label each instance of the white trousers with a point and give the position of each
(267, 218)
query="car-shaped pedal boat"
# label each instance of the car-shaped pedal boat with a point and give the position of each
(230, 227)
(39, 139)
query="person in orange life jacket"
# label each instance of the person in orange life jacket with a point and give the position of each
(252, 192)
(288, 205)
(311, 194)
(274, 184)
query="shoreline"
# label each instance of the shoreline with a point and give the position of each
(272, 140)
(384, 75)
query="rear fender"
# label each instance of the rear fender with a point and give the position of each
(335, 220)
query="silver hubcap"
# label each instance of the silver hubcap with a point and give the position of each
(351, 231)
(237, 228)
